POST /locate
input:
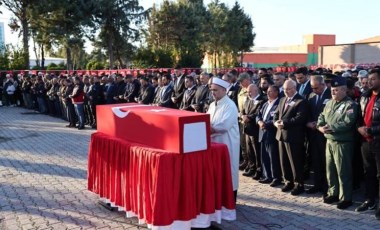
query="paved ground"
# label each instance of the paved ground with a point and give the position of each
(43, 186)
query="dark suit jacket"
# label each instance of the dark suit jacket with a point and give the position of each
(157, 95)
(110, 93)
(165, 97)
(233, 93)
(269, 133)
(187, 99)
(251, 109)
(132, 90)
(316, 109)
(201, 97)
(294, 118)
(179, 88)
(307, 91)
(146, 94)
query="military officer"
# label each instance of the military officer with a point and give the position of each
(337, 123)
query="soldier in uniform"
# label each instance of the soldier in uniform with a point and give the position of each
(337, 123)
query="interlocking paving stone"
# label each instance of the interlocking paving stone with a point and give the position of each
(43, 181)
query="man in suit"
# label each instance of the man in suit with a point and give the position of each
(132, 89)
(157, 91)
(265, 82)
(146, 91)
(201, 96)
(304, 89)
(290, 120)
(110, 90)
(317, 142)
(270, 159)
(278, 80)
(248, 116)
(189, 94)
(178, 87)
(166, 92)
(156, 84)
(302, 78)
(233, 89)
(119, 89)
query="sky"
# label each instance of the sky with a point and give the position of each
(278, 22)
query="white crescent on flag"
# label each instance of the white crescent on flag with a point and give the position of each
(121, 114)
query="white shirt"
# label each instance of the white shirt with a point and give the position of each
(224, 121)
(269, 107)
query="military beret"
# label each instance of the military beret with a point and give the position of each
(338, 81)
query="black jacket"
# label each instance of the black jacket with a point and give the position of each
(294, 118)
(374, 130)
(251, 109)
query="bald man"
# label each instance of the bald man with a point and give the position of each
(248, 116)
(290, 120)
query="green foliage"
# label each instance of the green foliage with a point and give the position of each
(188, 30)
(17, 57)
(177, 32)
(53, 66)
(177, 28)
(285, 64)
(4, 58)
(118, 21)
(146, 58)
(94, 65)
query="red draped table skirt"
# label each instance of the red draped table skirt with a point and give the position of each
(164, 190)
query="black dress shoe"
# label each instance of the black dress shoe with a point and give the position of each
(287, 187)
(249, 173)
(275, 183)
(243, 165)
(344, 204)
(367, 205)
(80, 127)
(313, 190)
(257, 176)
(265, 181)
(297, 190)
(330, 199)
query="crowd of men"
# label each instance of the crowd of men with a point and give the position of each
(290, 124)
(74, 98)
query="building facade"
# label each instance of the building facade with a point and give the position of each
(364, 53)
(2, 35)
(293, 55)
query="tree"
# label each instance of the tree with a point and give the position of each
(16, 56)
(4, 58)
(117, 21)
(178, 28)
(19, 9)
(242, 31)
(218, 31)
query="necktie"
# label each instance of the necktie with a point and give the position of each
(287, 103)
(301, 89)
(317, 100)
